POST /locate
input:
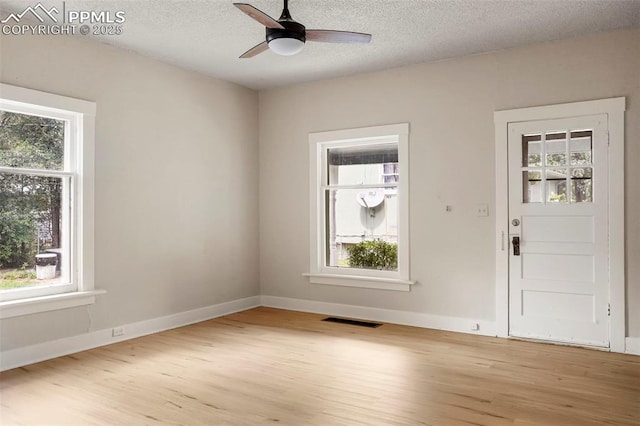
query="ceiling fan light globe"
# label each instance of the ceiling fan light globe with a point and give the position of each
(286, 46)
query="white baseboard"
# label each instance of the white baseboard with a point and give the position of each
(416, 319)
(19, 357)
(632, 345)
(47, 350)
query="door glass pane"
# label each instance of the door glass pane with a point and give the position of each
(580, 147)
(581, 185)
(556, 149)
(556, 185)
(32, 142)
(32, 247)
(362, 228)
(531, 150)
(532, 186)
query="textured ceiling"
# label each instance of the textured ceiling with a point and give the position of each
(209, 35)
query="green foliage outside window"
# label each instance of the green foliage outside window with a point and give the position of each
(376, 254)
(29, 203)
(16, 239)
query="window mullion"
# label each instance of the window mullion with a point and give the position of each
(35, 172)
(363, 186)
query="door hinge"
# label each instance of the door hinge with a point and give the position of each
(609, 309)
(608, 140)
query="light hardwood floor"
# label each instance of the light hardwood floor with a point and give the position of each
(267, 366)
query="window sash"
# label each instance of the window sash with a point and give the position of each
(323, 243)
(36, 291)
(362, 186)
(36, 172)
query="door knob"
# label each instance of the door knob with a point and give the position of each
(515, 242)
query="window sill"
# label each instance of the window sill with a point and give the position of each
(360, 281)
(34, 305)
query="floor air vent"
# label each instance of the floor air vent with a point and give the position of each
(353, 322)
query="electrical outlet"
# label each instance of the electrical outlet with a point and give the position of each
(482, 210)
(475, 326)
(117, 331)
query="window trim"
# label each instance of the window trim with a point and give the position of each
(319, 273)
(81, 117)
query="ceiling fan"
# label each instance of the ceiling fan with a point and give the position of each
(287, 37)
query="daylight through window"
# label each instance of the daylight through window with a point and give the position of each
(359, 206)
(46, 200)
(34, 202)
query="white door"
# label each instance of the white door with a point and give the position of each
(558, 243)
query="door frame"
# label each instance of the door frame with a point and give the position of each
(614, 108)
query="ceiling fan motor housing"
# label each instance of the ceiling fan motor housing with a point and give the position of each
(291, 29)
(287, 37)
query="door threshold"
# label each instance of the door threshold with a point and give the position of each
(551, 342)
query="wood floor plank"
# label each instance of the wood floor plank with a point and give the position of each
(267, 366)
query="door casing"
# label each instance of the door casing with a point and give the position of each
(614, 109)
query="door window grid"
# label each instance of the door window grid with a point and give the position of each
(546, 176)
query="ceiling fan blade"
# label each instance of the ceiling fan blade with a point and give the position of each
(258, 15)
(330, 36)
(255, 50)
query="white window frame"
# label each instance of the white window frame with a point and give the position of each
(319, 144)
(79, 116)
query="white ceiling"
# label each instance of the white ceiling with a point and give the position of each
(208, 35)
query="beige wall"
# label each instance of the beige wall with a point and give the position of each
(177, 173)
(175, 188)
(449, 106)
